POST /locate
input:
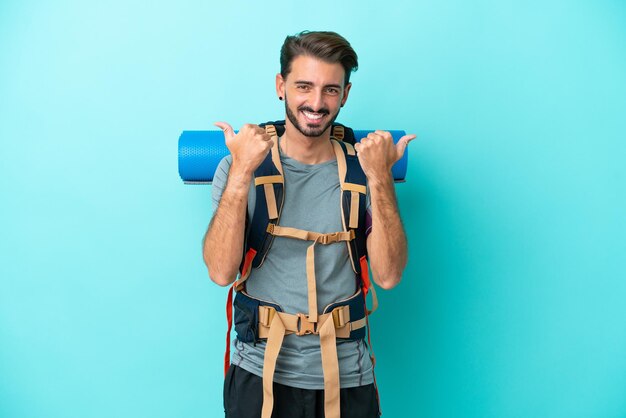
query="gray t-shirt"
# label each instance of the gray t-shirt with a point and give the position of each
(312, 194)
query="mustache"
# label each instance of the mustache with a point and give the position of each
(323, 110)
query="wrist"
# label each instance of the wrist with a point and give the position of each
(239, 177)
(384, 179)
(239, 168)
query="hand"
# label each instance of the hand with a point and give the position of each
(377, 153)
(249, 147)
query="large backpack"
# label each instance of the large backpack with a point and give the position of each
(346, 319)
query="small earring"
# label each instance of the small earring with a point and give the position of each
(280, 98)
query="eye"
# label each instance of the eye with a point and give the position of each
(302, 87)
(332, 90)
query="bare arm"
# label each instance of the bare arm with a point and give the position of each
(386, 244)
(223, 242)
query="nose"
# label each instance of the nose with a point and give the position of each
(317, 100)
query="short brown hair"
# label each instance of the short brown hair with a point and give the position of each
(327, 46)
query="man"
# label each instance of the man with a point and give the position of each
(314, 83)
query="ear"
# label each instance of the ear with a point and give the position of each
(280, 85)
(346, 91)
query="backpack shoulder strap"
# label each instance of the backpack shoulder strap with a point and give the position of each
(269, 187)
(353, 185)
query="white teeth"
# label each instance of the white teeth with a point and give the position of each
(314, 116)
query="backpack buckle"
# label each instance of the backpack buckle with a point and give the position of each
(266, 315)
(341, 316)
(329, 238)
(305, 326)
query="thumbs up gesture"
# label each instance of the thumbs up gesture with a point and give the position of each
(249, 146)
(377, 153)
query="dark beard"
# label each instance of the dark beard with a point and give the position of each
(311, 132)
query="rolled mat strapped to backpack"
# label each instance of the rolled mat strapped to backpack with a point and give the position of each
(199, 153)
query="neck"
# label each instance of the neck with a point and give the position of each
(304, 149)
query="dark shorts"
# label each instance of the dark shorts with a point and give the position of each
(243, 398)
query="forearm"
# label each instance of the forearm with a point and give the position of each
(223, 241)
(387, 245)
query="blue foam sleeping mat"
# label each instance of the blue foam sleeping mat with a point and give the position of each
(199, 153)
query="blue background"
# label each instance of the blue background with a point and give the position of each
(513, 301)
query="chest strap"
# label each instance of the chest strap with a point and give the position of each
(317, 238)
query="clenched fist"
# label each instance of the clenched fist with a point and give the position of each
(377, 153)
(249, 146)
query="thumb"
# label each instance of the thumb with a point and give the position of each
(402, 143)
(229, 133)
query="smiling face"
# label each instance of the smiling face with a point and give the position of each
(314, 92)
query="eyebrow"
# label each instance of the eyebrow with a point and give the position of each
(308, 83)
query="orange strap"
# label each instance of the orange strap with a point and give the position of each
(367, 286)
(365, 277)
(229, 319)
(245, 270)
